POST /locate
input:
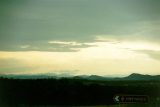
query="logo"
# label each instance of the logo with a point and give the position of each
(131, 98)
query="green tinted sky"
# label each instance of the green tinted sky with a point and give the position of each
(72, 25)
(38, 21)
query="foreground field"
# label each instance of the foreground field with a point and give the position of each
(75, 92)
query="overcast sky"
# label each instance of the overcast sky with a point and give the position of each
(80, 37)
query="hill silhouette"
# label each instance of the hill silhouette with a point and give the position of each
(133, 76)
(136, 76)
(17, 91)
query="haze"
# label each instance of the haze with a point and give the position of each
(80, 37)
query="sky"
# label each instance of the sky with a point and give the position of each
(80, 37)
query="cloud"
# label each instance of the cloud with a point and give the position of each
(21, 66)
(37, 63)
(51, 46)
(152, 54)
(65, 43)
(36, 22)
(25, 46)
(13, 65)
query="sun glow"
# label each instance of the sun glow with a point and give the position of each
(104, 58)
(139, 46)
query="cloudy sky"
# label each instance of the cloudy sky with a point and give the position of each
(80, 37)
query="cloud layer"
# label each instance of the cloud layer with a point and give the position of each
(103, 37)
(37, 22)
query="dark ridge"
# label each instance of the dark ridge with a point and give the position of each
(136, 76)
(133, 76)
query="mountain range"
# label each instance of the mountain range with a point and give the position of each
(133, 76)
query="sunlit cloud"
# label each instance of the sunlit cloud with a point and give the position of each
(105, 38)
(100, 59)
(65, 43)
(25, 46)
(139, 45)
(151, 53)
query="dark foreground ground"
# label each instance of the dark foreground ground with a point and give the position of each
(75, 92)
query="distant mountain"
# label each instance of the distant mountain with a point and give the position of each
(134, 76)
(35, 76)
(27, 76)
(92, 77)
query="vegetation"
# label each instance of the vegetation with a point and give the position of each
(72, 91)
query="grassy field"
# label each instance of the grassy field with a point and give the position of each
(75, 92)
